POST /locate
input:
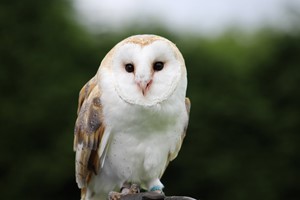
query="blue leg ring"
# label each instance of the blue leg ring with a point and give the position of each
(156, 188)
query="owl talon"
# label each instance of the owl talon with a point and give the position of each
(134, 189)
(114, 195)
(126, 189)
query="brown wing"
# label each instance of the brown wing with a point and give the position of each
(88, 132)
(173, 154)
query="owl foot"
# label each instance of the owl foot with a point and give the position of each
(125, 190)
(157, 189)
(134, 189)
(114, 195)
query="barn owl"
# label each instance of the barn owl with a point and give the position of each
(132, 118)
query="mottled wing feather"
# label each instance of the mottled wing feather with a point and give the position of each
(88, 132)
(173, 154)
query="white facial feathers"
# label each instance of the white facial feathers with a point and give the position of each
(145, 69)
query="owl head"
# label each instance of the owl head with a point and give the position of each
(144, 70)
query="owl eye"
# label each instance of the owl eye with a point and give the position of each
(129, 68)
(157, 66)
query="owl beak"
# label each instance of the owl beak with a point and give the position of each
(144, 86)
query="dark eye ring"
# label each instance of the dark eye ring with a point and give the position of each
(129, 68)
(157, 66)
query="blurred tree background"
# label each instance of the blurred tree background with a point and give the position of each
(243, 139)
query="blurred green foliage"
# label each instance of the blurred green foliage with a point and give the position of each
(243, 139)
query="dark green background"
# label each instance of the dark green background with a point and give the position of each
(243, 139)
